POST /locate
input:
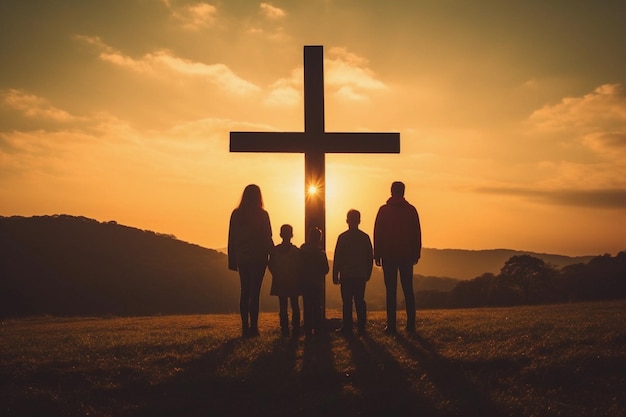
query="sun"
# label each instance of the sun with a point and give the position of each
(314, 189)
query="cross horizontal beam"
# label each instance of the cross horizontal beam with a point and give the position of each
(327, 142)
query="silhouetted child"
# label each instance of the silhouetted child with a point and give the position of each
(285, 266)
(352, 268)
(314, 270)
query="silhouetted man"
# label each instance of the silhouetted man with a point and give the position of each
(352, 268)
(398, 246)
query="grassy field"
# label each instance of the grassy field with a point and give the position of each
(561, 360)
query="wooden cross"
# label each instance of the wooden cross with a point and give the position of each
(314, 142)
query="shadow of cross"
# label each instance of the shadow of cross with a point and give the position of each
(314, 142)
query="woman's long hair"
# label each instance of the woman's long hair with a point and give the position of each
(251, 198)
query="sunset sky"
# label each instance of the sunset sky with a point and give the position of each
(512, 115)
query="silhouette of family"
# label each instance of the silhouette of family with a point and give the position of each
(397, 244)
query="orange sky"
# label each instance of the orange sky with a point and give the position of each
(512, 116)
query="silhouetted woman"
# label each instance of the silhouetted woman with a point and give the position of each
(249, 245)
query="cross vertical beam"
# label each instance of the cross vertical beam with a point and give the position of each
(314, 157)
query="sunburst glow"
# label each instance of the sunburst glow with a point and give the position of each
(312, 190)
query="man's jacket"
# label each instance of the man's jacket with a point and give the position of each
(397, 231)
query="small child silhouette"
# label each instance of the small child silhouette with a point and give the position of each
(285, 264)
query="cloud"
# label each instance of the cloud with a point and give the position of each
(163, 62)
(596, 120)
(218, 74)
(283, 95)
(110, 149)
(267, 26)
(602, 109)
(34, 107)
(598, 198)
(349, 75)
(607, 142)
(193, 16)
(272, 12)
(113, 56)
(347, 92)
(40, 153)
(269, 30)
(582, 162)
(273, 34)
(286, 91)
(345, 74)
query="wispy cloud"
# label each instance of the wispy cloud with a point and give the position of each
(36, 154)
(597, 121)
(218, 74)
(286, 91)
(613, 142)
(346, 75)
(272, 12)
(599, 198)
(164, 62)
(348, 92)
(578, 153)
(349, 75)
(268, 26)
(109, 147)
(193, 16)
(604, 108)
(272, 34)
(33, 106)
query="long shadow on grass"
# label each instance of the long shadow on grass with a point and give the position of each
(283, 377)
(268, 384)
(385, 386)
(222, 383)
(464, 397)
(196, 390)
(319, 390)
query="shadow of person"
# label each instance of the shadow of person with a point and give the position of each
(384, 385)
(191, 390)
(239, 377)
(450, 377)
(320, 382)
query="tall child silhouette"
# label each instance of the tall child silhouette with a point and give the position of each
(352, 268)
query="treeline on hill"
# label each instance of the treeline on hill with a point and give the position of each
(526, 279)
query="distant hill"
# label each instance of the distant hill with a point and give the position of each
(67, 265)
(468, 264)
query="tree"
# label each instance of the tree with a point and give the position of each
(529, 276)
